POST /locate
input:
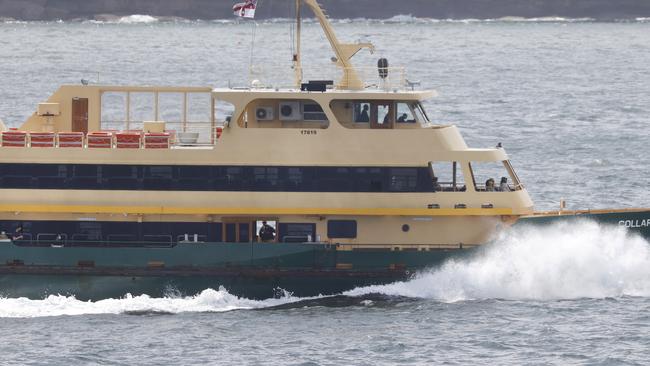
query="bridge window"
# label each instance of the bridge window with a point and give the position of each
(362, 112)
(420, 113)
(384, 118)
(404, 113)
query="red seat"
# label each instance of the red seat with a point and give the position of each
(42, 139)
(71, 139)
(128, 140)
(156, 140)
(14, 139)
(102, 140)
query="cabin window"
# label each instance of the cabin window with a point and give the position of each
(230, 232)
(216, 178)
(362, 112)
(403, 179)
(342, 229)
(296, 232)
(313, 112)
(266, 178)
(447, 176)
(404, 113)
(493, 176)
(244, 232)
(369, 179)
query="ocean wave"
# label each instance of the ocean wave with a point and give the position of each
(564, 261)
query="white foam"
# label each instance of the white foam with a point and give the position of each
(137, 19)
(207, 301)
(565, 261)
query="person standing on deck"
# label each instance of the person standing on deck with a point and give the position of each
(267, 232)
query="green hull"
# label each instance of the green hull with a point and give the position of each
(253, 270)
(636, 221)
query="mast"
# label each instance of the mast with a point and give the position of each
(343, 51)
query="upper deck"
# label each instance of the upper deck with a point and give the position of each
(236, 126)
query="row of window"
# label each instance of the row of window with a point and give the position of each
(215, 178)
(109, 233)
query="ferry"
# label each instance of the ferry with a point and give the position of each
(312, 189)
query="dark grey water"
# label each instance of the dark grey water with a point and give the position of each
(570, 101)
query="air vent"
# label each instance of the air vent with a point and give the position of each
(290, 111)
(264, 114)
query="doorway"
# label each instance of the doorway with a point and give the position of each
(80, 115)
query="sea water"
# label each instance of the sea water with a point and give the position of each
(569, 100)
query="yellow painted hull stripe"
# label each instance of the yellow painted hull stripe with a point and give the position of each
(161, 210)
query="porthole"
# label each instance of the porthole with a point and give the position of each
(406, 228)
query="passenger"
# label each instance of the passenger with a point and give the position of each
(489, 185)
(402, 118)
(3, 236)
(364, 116)
(267, 232)
(504, 187)
(18, 233)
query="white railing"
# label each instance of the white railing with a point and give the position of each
(369, 78)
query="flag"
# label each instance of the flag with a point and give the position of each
(245, 9)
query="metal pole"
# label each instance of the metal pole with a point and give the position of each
(128, 110)
(185, 112)
(297, 61)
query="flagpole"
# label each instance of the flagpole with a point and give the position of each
(297, 64)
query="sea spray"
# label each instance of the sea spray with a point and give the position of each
(563, 261)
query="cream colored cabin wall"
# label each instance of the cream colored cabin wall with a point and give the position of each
(66, 93)
(276, 123)
(383, 230)
(285, 147)
(519, 201)
(64, 97)
(438, 230)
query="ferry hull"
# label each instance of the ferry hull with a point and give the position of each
(635, 220)
(254, 270)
